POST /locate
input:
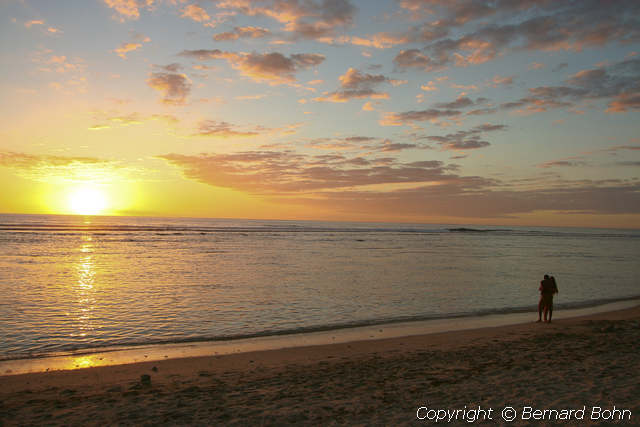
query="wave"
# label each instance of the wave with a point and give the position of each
(77, 349)
(276, 229)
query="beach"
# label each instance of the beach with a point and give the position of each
(584, 368)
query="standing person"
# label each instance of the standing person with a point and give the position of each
(541, 304)
(548, 288)
(550, 292)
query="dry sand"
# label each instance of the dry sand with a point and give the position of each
(585, 362)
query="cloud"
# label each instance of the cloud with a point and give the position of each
(216, 129)
(250, 97)
(537, 25)
(127, 47)
(42, 167)
(284, 172)
(497, 81)
(50, 63)
(460, 102)
(619, 82)
(472, 197)
(174, 86)
(625, 102)
(390, 187)
(306, 19)
(350, 143)
(242, 32)
(441, 110)
(274, 68)
(355, 84)
(383, 40)
(413, 58)
(431, 114)
(128, 9)
(107, 119)
(466, 140)
(389, 147)
(561, 163)
(429, 87)
(223, 130)
(30, 161)
(33, 22)
(195, 13)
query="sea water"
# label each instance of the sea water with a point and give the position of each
(73, 282)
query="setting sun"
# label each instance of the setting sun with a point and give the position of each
(87, 201)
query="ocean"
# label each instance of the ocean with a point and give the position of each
(71, 283)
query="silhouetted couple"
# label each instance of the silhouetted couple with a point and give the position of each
(548, 288)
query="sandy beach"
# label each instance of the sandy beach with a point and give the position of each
(584, 369)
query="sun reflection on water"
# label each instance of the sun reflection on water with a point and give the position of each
(84, 288)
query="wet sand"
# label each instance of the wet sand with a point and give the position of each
(579, 363)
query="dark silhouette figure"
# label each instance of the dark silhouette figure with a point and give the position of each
(548, 288)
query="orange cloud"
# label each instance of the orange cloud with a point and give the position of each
(274, 68)
(625, 102)
(368, 106)
(125, 48)
(197, 14)
(29, 24)
(303, 19)
(242, 32)
(129, 9)
(381, 40)
(136, 42)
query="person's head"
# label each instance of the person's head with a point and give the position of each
(546, 276)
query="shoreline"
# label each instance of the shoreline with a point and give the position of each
(120, 355)
(587, 360)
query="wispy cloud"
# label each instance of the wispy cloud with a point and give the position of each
(466, 139)
(441, 110)
(242, 33)
(33, 22)
(108, 119)
(216, 129)
(355, 84)
(135, 43)
(42, 167)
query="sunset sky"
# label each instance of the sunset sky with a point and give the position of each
(478, 112)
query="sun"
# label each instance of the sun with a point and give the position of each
(87, 201)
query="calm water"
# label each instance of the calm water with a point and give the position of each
(74, 282)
